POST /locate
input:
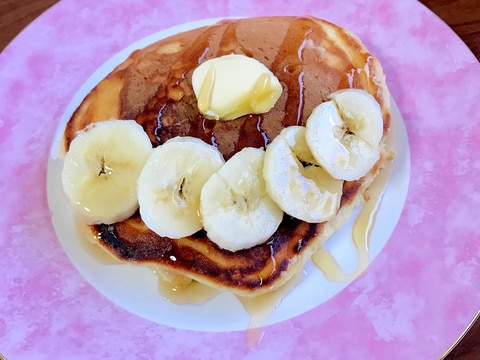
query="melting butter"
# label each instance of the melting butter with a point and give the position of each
(234, 85)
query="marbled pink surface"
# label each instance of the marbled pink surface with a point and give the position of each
(414, 300)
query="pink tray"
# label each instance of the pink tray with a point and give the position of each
(413, 302)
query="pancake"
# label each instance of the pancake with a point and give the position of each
(311, 58)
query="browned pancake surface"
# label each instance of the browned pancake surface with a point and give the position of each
(311, 58)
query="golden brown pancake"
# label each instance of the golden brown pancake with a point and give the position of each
(311, 58)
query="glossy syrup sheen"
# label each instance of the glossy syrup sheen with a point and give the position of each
(173, 111)
(361, 234)
(154, 88)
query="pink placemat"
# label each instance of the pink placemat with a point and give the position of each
(414, 300)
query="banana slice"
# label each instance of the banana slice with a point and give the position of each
(344, 133)
(101, 168)
(170, 183)
(295, 181)
(236, 211)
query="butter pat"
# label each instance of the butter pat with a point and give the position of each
(233, 85)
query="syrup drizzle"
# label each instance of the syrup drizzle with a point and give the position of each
(262, 306)
(182, 290)
(301, 86)
(361, 234)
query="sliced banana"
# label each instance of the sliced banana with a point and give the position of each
(237, 213)
(295, 181)
(344, 133)
(170, 183)
(101, 168)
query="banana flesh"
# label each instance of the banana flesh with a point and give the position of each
(237, 213)
(295, 181)
(344, 133)
(170, 183)
(100, 170)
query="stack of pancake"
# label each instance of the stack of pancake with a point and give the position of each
(311, 58)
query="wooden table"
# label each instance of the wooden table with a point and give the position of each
(463, 16)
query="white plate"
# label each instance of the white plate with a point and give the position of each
(135, 287)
